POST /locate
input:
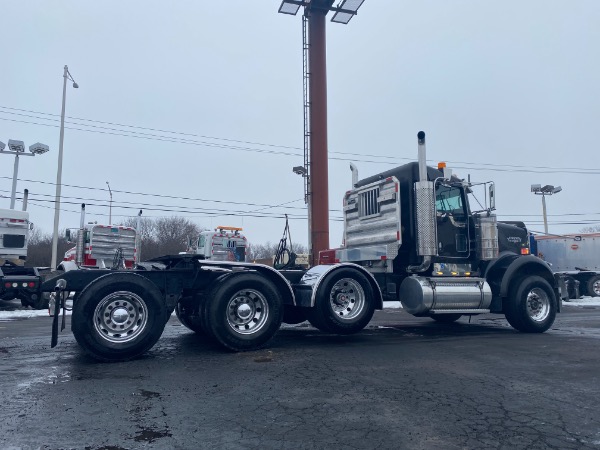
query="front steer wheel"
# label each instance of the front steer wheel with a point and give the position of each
(531, 305)
(243, 312)
(118, 317)
(344, 303)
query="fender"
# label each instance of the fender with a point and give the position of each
(281, 283)
(531, 265)
(317, 274)
(68, 265)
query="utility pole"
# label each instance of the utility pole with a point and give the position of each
(315, 147)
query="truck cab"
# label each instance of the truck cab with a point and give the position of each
(17, 281)
(14, 235)
(221, 244)
(432, 241)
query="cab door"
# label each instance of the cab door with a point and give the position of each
(452, 220)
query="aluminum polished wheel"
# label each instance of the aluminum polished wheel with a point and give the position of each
(247, 311)
(120, 316)
(347, 298)
(538, 304)
(596, 288)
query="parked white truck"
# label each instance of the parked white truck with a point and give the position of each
(221, 244)
(576, 256)
(17, 281)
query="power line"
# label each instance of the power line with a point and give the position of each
(150, 136)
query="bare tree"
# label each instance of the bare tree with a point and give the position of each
(268, 250)
(172, 233)
(39, 249)
(592, 229)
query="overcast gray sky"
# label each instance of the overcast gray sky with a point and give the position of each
(505, 90)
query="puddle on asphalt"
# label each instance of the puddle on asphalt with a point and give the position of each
(148, 435)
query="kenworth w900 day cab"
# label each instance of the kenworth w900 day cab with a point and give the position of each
(413, 228)
(409, 235)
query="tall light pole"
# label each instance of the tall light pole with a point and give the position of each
(109, 205)
(66, 76)
(548, 189)
(17, 148)
(315, 109)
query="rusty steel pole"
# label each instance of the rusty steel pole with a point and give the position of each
(318, 171)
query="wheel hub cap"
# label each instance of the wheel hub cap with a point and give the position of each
(538, 305)
(347, 298)
(247, 311)
(244, 311)
(120, 315)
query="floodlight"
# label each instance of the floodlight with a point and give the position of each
(2, 146)
(291, 6)
(299, 170)
(16, 146)
(346, 11)
(39, 148)
(556, 190)
(536, 187)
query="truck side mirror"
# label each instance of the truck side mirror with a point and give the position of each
(68, 235)
(31, 225)
(492, 193)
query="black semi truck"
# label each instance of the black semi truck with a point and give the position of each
(410, 235)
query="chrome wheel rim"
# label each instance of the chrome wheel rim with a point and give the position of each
(120, 317)
(347, 299)
(538, 304)
(247, 311)
(596, 288)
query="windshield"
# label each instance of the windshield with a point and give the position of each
(449, 199)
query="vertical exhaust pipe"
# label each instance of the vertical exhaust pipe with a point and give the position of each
(25, 199)
(80, 246)
(138, 238)
(426, 230)
(354, 175)
(422, 155)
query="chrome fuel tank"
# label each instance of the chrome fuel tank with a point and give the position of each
(465, 295)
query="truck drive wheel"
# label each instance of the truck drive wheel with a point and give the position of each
(593, 286)
(531, 305)
(344, 304)
(118, 317)
(243, 312)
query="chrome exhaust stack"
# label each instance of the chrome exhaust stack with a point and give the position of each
(80, 246)
(425, 212)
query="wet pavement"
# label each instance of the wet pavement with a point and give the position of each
(403, 382)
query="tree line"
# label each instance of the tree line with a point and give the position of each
(159, 236)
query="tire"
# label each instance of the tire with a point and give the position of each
(531, 305)
(571, 291)
(243, 312)
(118, 317)
(446, 318)
(593, 286)
(43, 302)
(293, 315)
(344, 303)
(188, 318)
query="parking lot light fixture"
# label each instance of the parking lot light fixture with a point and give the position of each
(17, 148)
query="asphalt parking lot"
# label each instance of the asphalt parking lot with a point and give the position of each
(403, 382)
